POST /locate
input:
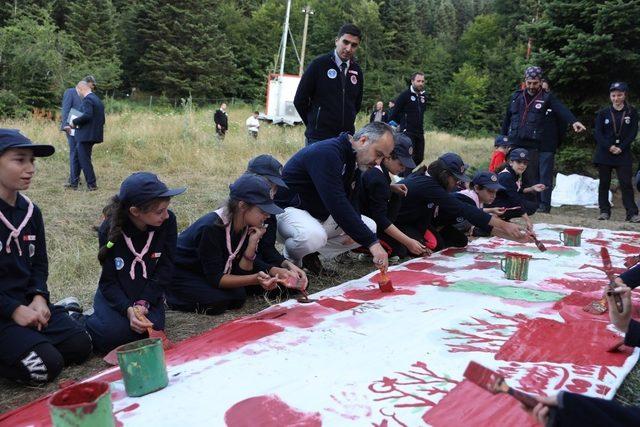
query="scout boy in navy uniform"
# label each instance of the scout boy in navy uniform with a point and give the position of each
(616, 128)
(377, 201)
(137, 243)
(37, 339)
(218, 256)
(329, 94)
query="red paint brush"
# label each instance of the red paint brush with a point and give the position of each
(385, 283)
(495, 383)
(539, 244)
(112, 357)
(608, 269)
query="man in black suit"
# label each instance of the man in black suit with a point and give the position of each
(221, 120)
(89, 130)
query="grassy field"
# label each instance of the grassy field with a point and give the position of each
(182, 149)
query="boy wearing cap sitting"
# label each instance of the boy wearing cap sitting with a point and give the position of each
(499, 156)
(512, 197)
(37, 338)
(376, 199)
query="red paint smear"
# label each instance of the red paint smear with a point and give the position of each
(615, 270)
(452, 252)
(268, 411)
(375, 294)
(578, 342)
(412, 278)
(599, 242)
(584, 285)
(433, 267)
(338, 305)
(471, 406)
(629, 249)
(550, 241)
(299, 316)
(482, 265)
(129, 408)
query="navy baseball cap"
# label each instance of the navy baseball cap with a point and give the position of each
(12, 138)
(487, 179)
(501, 141)
(254, 190)
(455, 166)
(519, 154)
(141, 187)
(621, 86)
(403, 150)
(268, 167)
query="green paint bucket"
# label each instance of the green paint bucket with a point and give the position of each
(515, 266)
(143, 367)
(571, 236)
(85, 404)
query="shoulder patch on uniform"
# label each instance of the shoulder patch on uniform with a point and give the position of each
(32, 250)
(156, 255)
(606, 121)
(332, 73)
(119, 262)
(29, 237)
(354, 80)
(413, 98)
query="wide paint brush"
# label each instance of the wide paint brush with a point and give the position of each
(539, 244)
(112, 357)
(495, 383)
(385, 283)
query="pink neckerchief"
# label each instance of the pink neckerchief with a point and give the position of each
(473, 196)
(15, 232)
(138, 256)
(222, 213)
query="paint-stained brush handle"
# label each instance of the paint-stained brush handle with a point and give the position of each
(617, 298)
(539, 244)
(526, 399)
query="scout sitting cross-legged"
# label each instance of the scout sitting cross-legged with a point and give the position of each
(37, 339)
(137, 243)
(217, 255)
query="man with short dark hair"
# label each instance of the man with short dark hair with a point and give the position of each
(320, 216)
(408, 113)
(71, 100)
(221, 120)
(329, 94)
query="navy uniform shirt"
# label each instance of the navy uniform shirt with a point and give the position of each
(267, 251)
(327, 101)
(116, 284)
(424, 194)
(524, 126)
(202, 249)
(460, 223)
(512, 195)
(22, 276)
(631, 277)
(611, 126)
(322, 180)
(374, 196)
(409, 111)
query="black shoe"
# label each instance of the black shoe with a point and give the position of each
(633, 218)
(604, 216)
(313, 264)
(70, 304)
(71, 186)
(94, 188)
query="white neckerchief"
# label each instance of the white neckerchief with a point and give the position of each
(15, 231)
(222, 213)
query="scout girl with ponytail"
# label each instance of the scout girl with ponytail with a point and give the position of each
(219, 255)
(137, 242)
(37, 339)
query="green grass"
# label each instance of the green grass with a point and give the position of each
(181, 147)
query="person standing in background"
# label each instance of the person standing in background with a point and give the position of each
(221, 120)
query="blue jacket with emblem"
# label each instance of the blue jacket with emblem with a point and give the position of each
(524, 121)
(322, 181)
(326, 101)
(612, 126)
(409, 112)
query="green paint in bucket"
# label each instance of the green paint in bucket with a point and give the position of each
(571, 236)
(143, 367)
(85, 404)
(515, 266)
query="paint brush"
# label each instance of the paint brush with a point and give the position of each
(385, 283)
(539, 244)
(166, 344)
(608, 269)
(495, 383)
(513, 208)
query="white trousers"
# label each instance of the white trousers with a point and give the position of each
(303, 234)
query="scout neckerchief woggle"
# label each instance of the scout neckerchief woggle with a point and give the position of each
(138, 256)
(232, 254)
(15, 231)
(617, 131)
